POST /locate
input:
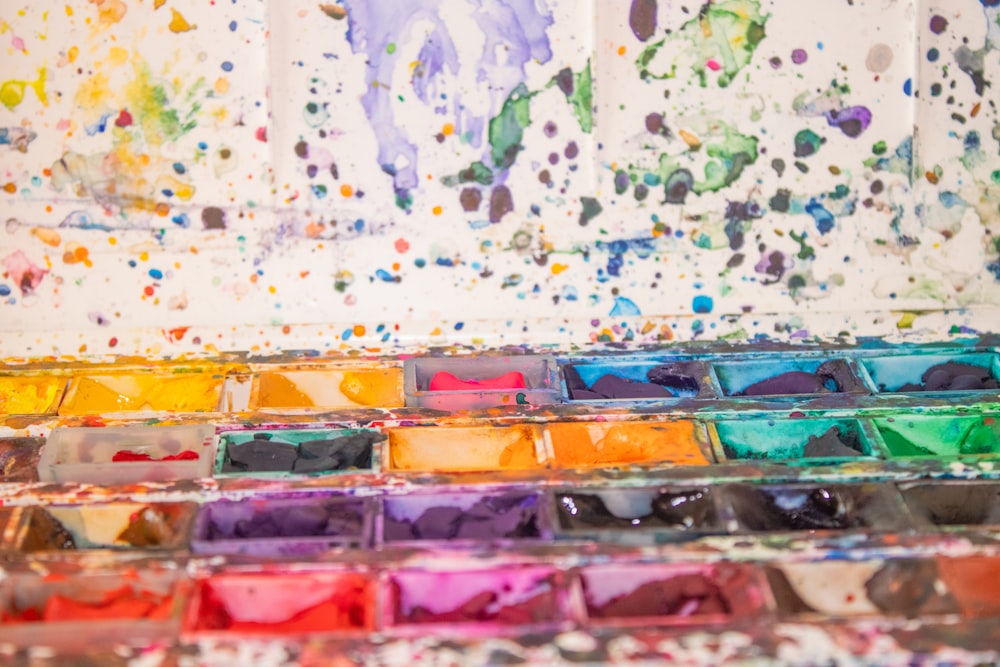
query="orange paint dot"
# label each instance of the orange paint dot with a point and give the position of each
(358, 330)
(148, 290)
(253, 278)
(448, 129)
(395, 266)
(621, 50)
(346, 190)
(10, 187)
(286, 329)
(437, 210)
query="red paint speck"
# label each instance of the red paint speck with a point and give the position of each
(124, 119)
(148, 290)
(713, 65)
(797, 415)
(261, 134)
(112, 342)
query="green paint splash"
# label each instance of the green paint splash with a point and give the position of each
(507, 127)
(725, 33)
(579, 92)
(729, 153)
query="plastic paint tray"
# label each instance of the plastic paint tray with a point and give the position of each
(540, 375)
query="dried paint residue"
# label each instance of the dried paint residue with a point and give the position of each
(29, 395)
(189, 392)
(381, 388)
(455, 449)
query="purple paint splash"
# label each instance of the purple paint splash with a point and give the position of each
(514, 34)
(852, 121)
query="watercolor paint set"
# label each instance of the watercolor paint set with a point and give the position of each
(506, 332)
(494, 504)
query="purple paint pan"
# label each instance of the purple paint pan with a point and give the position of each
(289, 526)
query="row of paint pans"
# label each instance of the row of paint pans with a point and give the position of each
(476, 382)
(129, 454)
(281, 525)
(158, 602)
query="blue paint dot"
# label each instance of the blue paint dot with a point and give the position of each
(819, 45)
(933, 55)
(347, 334)
(420, 262)
(459, 326)
(179, 168)
(359, 225)
(4, 290)
(131, 263)
(155, 274)
(232, 26)
(227, 66)
(908, 87)
(202, 145)
(702, 304)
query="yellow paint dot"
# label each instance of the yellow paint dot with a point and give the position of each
(143, 256)
(117, 55)
(69, 11)
(222, 85)
(272, 289)
(346, 190)
(178, 23)
(73, 52)
(448, 129)
(112, 240)
(558, 268)
(437, 210)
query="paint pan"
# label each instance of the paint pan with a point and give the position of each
(671, 594)
(975, 583)
(282, 603)
(939, 435)
(461, 448)
(465, 519)
(604, 444)
(488, 382)
(7, 529)
(308, 390)
(934, 372)
(301, 525)
(19, 460)
(284, 452)
(129, 393)
(150, 453)
(476, 602)
(815, 507)
(818, 591)
(79, 611)
(635, 379)
(806, 441)
(953, 503)
(30, 394)
(105, 526)
(789, 377)
(636, 515)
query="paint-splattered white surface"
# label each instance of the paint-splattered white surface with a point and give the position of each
(179, 175)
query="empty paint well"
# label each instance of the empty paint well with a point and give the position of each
(282, 603)
(815, 507)
(954, 503)
(270, 452)
(539, 375)
(788, 377)
(939, 435)
(975, 583)
(636, 515)
(460, 448)
(591, 444)
(909, 588)
(29, 394)
(105, 526)
(650, 380)
(327, 389)
(19, 459)
(81, 454)
(913, 373)
(674, 594)
(477, 601)
(806, 440)
(465, 518)
(112, 393)
(73, 611)
(265, 527)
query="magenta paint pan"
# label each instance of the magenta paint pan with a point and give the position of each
(486, 602)
(118, 526)
(292, 526)
(282, 603)
(818, 591)
(672, 594)
(465, 519)
(815, 507)
(19, 460)
(537, 379)
(651, 515)
(95, 608)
